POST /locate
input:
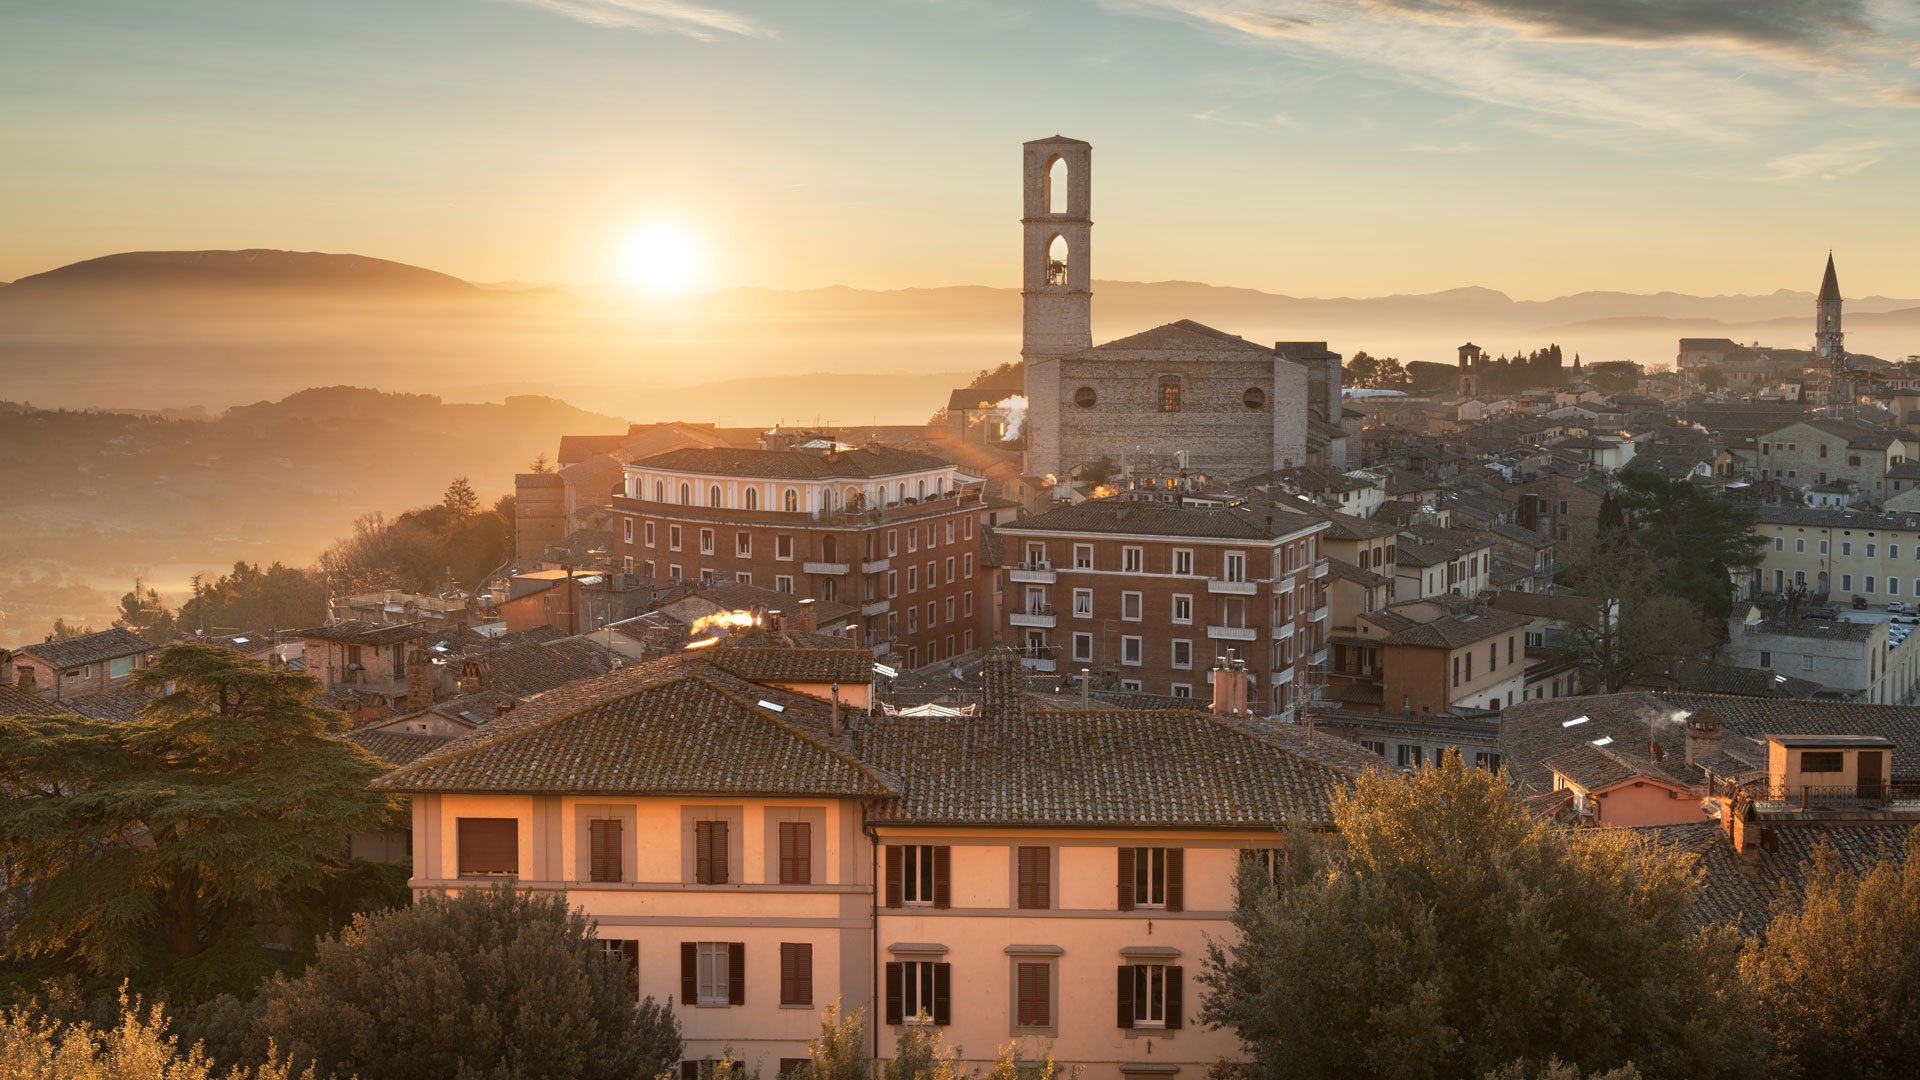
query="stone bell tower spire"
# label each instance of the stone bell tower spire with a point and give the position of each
(1056, 283)
(1826, 321)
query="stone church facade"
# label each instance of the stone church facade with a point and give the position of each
(1179, 393)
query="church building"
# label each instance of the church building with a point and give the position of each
(1224, 406)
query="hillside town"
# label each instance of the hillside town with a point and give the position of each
(988, 726)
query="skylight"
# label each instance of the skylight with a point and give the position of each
(1581, 719)
(1604, 740)
(771, 706)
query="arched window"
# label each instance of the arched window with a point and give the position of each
(659, 491)
(686, 494)
(850, 497)
(713, 496)
(920, 489)
(1169, 393)
(1056, 185)
(856, 500)
(939, 486)
(1059, 258)
(902, 497)
(753, 499)
(792, 501)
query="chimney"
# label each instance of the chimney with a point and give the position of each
(855, 632)
(1229, 687)
(1655, 750)
(806, 622)
(776, 621)
(420, 677)
(27, 680)
(836, 708)
(1086, 688)
(1003, 684)
(473, 675)
(1704, 730)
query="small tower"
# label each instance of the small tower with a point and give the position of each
(1056, 289)
(1826, 322)
(1472, 361)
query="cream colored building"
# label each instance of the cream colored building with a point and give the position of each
(1840, 554)
(755, 854)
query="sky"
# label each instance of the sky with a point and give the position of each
(1308, 147)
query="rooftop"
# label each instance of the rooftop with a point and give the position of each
(89, 648)
(863, 463)
(1246, 521)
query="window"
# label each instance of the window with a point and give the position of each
(626, 529)
(686, 495)
(706, 541)
(673, 537)
(489, 847)
(1779, 543)
(1870, 548)
(1823, 547)
(1846, 547)
(710, 852)
(1799, 546)
(628, 955)
(1182, 608)
(1181, 689)
(1254, 398)
(919, 992)
(918, 874)
(1374, 745)
(1170, 393)
(1409, 757)
(913, 540)
(796, 973)
(1150, 996)
(603, 849)
(1182, 653)
(966, 609)
(1085, 397)
(1083, 556)
(1083, 603)
(1131, 606)
(713, 972)
(1035, 869)
(1083, 647)
(1132, 560)
(783, 583)
(743, 544)
(1182, 561)
(713, 496)
(752, 499)
(796, 853)
(1234, 566)
(1130, 684)
(1130, 650)
(649, 533)
(966, 565)
(1823, 761)
(1869, 584)
(1483, 759)
(1033, 995)
(1806, 663)
(1152, 877)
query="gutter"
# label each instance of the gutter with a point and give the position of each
(873, 921)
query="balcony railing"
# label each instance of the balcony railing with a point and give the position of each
(1283, 585)
(1320, 569)
(828, 569)
(1233, 633)
(1232, 588)
(1319, 613)
(1884, 795)
(876, 566)
(876, 607)
(1282, 631)
(1036, 616)
(1032, 573)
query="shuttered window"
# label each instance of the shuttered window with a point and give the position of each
(796, 973)
(796, 853)
(1036, 886)
(710, 852)
(713, 972)
(628, 953)
(603, 849)
(1150, 996)
(1152, 877)
(919, 874)
(489, 847)
(919, 992)
(1033, 1005)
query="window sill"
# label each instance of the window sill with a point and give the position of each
(808, 1006)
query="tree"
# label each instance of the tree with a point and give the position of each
(1555, 1069)
(142, 612)
(1010, 375)
(1701, 542)
(1448, 934)
(1614, 376)
(1710, 378)
(62, 629)
(1008, 1066)
(840, 1051)
(489, 984)
(139, 1046)
(1380, 373)
(149, 849)
(1636, 629)
(460, 498)
(249, 598)
(1837, 980)
(541, 464)
(921, 1053)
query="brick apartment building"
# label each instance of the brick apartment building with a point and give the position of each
(1149, 594)
(897, 533)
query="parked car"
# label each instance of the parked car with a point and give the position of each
(1897, 607)
(1821, 613)
(1859, 603)
(1907, 620)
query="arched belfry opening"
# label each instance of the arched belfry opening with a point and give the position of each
(1056, 185)
(1059, 260)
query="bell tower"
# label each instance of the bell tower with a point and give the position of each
(1056, 282)
(1828, 340)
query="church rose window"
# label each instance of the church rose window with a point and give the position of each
(1254, 397)
(1085, 397)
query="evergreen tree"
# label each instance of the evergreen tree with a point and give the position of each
(1700, 542)
(461, 499)
(143, 613)
(145, 850)
(1449, 933)
(62, 629)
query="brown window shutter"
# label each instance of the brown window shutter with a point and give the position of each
(689, 1070)
(1033, 997)
(942, 993)
(796, 973)
(1176, 879)
(630, 952)
(603, 843)
(737, 972)
(804, 977)
(1125, 996)
(489, 846)
(796, 853)
(895, 859)
(1126, 879)
(703, 852)
(895, 975)
(943, 877)
(689, 973)
(1035, 873)
(1175, 977)
(718, 874)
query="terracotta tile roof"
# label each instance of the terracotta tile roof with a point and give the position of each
(1183, 336)
(1123, 516)
(1116, 768)
(1744, 897)
(1449, 631)
(123, 705)
(674, 726)
(1342, 570)
(89, 648)
(865, 461)
(530, 669)
(766, 664)
(396, 748)
(1597, 767)
(15, 702)
(365, 633)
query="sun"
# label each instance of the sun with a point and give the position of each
(663, 257)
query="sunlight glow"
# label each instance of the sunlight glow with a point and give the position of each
(663, 257)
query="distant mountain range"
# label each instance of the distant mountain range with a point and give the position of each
(221, 327)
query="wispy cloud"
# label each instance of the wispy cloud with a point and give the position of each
(1591, 70)
(1442, 148)
(1830, 160)
(1219, 116)
(655, 16)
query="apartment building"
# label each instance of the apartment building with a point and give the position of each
(1839, 554)
(1428, 657)
(1830, 450)
(1864, 661)
(1432, 561)
(1148, 594)
(897, 533)
(754, 853)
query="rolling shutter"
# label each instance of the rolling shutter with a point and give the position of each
(1126, 880)
(943, 877)
(1176, 879)
(895, 976)
(737, 973)
(894, 859)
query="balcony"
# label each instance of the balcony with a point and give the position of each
(1897, 795)
(826, 569)
(1234, 633)
(1282, 631)
(876, 566)
(1041, 617)
(1319, 613)
(1320, 569)
(1319, 657)
(1043, 665)
(1032, 573)
(876, 607)
(1222, 587)
(1283, 585)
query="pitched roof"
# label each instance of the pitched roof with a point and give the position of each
(526, 670)
(354, 632)
(860, 463)
(1744, 896)
(1183, 336)
(396, 747)
(1449, 631)
(1098, 768)
(20, 703)
(89, 648)
(1597, 767)
(675, 726)
(123, 705)
(1134, 518)
(764, 664)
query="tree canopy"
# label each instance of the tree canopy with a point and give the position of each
(1447, 933)
(1699, 542)
(249, 598)
(149, 849)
